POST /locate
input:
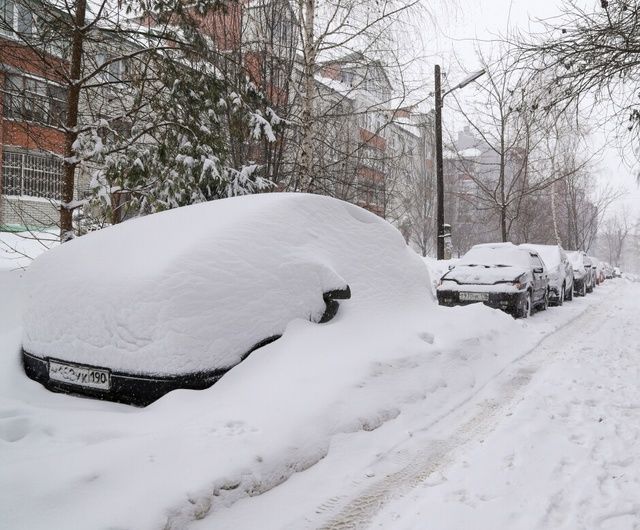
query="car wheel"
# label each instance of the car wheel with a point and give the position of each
(545, 301)
(569, 294)
(525, 310)
(562, 295)
(584, 290)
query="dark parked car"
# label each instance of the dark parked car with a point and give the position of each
(560, 271)
(500, 275)
(583, 273)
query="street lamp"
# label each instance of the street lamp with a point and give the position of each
(439, 170)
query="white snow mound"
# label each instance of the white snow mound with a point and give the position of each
(195, 288)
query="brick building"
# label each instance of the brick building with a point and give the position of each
(378, 145)
(32, 108)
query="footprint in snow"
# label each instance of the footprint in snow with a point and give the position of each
(233, 428)
(619, 519)
(427, 337)
(10, 413)
(14, 429)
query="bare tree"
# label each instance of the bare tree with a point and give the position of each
(614, 234)
(416, 207)
(349, 90)
(513, 160)
(589, 54)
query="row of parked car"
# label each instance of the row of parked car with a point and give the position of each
(521, 278)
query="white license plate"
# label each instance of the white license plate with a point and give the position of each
(474, 297)
(75, 374)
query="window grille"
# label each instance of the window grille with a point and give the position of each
(31, 174)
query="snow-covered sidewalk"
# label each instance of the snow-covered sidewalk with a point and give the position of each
(402, 474)
(563, 449)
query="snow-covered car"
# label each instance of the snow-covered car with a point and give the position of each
(559, 269)
(583, 276)
(617, 273)
(176, 299)
(500, 275)
(600, 267)
(438, 268)
(608, 271)
(595, 276)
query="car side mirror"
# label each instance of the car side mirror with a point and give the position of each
(331, 302)
(451, 267)
(538, 270)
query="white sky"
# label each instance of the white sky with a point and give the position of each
(467, 25)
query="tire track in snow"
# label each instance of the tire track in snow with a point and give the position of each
(358, 513)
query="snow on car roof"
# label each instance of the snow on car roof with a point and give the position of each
(550, 254)
(576, 258)
(195, 288)
(496, 254)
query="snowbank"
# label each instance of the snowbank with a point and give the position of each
(196, 288)
(277, 413)
(19, 249)
(557, 447)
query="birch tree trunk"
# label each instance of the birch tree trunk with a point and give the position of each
(307, 8)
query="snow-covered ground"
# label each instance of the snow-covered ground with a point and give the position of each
(555, 443)
(322, 428)
(398, 476)
(388, 412)
(18, 250)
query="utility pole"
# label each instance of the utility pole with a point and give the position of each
(439, 169)
(439, 96)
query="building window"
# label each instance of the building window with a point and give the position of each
(113, 72)
(29, 99)
(347, 78)
(15, 18)
(31, 174)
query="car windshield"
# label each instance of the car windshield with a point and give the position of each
(496, 257)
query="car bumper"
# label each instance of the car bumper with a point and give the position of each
(507, 302)
(139, 390)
